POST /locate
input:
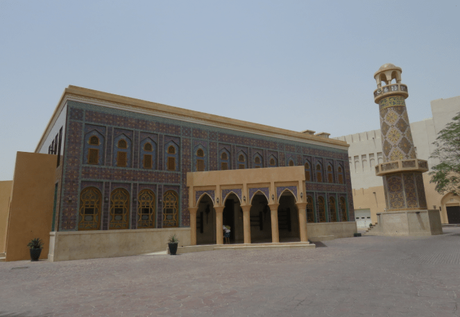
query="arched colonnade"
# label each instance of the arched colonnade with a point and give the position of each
(258, 196)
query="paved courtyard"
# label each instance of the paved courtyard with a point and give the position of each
(362, 276)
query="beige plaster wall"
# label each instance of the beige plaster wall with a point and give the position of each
(31, 207)
(78, 245)
(5, 195)
(331, 230)
(372, 198)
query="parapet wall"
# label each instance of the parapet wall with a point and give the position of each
(78, 245)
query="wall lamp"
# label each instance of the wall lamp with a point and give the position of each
(217, 199)
(301, 195)
(106, 199)
(244, 198)
(273, 197)
(69, 199)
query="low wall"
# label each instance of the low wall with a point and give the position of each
(78, 245)
(408, 223)
(330, 230)
(5, 195)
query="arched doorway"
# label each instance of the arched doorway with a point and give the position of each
(233, 216)
(205, 222)
(261, 224)
(451, 208)
(288, 218)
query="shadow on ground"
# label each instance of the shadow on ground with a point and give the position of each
(319, 244)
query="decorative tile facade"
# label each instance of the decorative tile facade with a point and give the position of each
(106, 176)
(292, 189)
(264, 190)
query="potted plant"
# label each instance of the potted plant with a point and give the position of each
(35, 247)
(172, 244)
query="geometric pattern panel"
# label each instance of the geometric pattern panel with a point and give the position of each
(199, 193)
(292, 189)
(396, 154)
(397, 140)
(404, 191)
(236, 191)
(405, 145)
(253, 191)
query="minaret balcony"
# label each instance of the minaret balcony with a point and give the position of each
(412, 165)
(393, 89)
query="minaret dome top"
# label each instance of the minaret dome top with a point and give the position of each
(388, 79)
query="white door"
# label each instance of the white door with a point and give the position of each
(363, 218)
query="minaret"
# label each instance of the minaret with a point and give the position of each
(401, 170)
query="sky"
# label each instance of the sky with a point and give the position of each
(291, 64)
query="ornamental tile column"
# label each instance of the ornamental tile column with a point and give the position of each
(401, 170)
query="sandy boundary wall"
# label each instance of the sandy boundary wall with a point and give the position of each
(5, 196)
(31, 208)
(78, 245)
(330, 230)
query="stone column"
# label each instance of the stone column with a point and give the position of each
(247, 223)
(192, 225)
(301, 208)
(219, 225)
(274, 219)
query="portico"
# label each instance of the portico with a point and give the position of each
(258, 196)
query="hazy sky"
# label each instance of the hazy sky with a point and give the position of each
(291, 64)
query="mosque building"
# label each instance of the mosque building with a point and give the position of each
(116, 176)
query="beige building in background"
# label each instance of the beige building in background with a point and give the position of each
(365, 153)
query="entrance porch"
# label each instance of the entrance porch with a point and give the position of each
(259, 205)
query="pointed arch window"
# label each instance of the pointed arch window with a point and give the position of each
(94, 148)
(200, 159)
(122, 151)
(90, 209)
(146, 209)
(332, 210)
(319, 173)
(343, 208)
(310, 209)
(148, 154)
(119, 209)
(307, 171)
(224, 160)
(122, 144)
(172, 156)
(272, 162)
(170, 209)
(94, 140)
(330, 173)
(321, 209)
(242, 161)
(340, 174)
(258, 161)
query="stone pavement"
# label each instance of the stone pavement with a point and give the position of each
(362, 276)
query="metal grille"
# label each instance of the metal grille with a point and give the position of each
(146, 209)
(90, 209)
(170, 209)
